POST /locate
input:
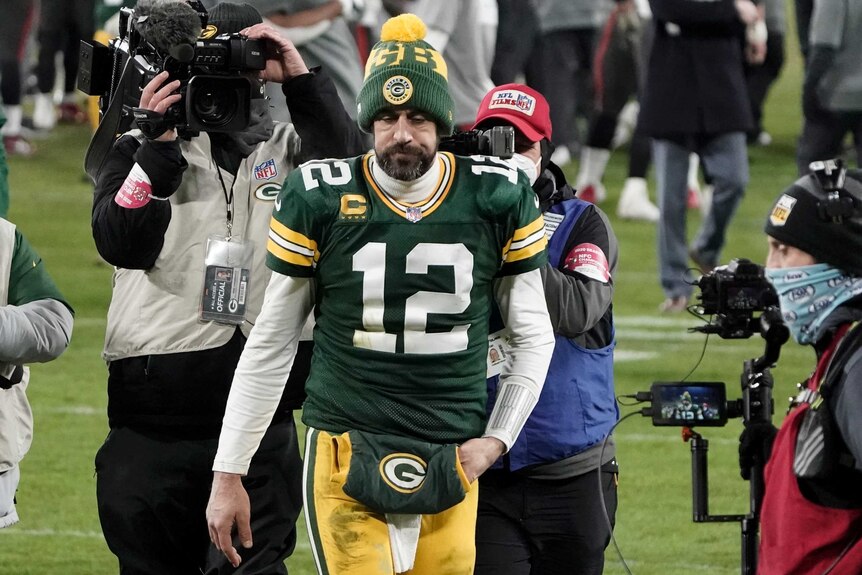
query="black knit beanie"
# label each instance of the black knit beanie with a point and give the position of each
(229, 18)
(799, 218)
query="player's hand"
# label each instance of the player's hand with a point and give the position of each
(747, 11)
(756, 36)
(755, 53)
(229, 506)
(283, 61)
(477, 455)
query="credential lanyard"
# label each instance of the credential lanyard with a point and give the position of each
(228, 200)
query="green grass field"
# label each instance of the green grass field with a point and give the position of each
(59, 531)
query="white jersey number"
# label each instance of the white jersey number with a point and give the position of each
(370, 260)
(325, 171)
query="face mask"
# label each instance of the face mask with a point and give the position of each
(528, 166)
(808, 294)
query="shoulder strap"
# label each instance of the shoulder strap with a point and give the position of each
(570, 212)
(842, 354)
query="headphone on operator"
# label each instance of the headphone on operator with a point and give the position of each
(840, 197)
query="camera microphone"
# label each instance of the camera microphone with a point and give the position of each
(170, 26)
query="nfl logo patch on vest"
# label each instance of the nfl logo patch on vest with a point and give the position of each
(266, 170)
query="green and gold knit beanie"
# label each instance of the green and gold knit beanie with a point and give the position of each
(405, 71)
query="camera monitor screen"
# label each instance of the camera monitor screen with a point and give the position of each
(697, 403)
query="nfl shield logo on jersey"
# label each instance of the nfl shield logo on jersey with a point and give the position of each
(414, 214)
(266, 170)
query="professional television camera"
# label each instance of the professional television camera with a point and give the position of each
(732, 295)
(214, 73)
(498, 141)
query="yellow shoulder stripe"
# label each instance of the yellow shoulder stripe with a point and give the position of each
(288, 256)
(291, 236)
(526, 252)
(529, 229)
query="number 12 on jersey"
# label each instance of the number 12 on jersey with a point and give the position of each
(370, 260)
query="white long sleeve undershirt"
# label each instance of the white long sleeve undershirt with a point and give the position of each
(262, 371)
(268, 355)
(521, 299)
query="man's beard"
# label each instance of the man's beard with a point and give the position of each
(409, 166)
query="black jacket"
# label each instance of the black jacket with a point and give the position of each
(695, 82)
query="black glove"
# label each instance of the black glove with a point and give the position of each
(152, 124)
(17, 375)
(755, 446)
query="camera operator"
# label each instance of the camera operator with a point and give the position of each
(539, 510)
(811, 519)
(166, 211)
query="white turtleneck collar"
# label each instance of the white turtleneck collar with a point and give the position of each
(407, 192)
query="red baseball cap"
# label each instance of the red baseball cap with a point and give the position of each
(519, 105)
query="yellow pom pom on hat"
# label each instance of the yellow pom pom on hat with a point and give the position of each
(405, 71)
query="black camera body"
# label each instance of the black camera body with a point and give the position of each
(497, 141)
(214, 76)
(733, 294)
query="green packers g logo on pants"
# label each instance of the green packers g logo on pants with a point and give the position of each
(403, 472)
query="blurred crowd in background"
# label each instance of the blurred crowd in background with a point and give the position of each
(699, 99)
(589, 57)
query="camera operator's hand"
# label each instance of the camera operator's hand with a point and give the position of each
(283, 61)
(157, 97)
(755, 446)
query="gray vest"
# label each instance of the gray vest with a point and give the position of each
(155, 311)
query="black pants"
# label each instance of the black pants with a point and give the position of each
(760, 78)
(516, 32)
(152, 496)
(563, 64)
(823, 139)
(542, 527)
(62, 26)
(14, 29)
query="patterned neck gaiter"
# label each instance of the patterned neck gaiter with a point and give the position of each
(808, 294)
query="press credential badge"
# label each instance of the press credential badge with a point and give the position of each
(226, 280)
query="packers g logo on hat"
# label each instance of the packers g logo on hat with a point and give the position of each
(404, 70)
(397, 90)
(403, 472)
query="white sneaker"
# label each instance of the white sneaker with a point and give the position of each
(634, 202)
(626, 123)
(8, 484)
(17, 146)
(44, 114)
(763, 139)
(561, 156)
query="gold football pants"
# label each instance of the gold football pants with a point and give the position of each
(348, 538)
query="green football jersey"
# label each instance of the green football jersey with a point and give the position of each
(403, 292)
